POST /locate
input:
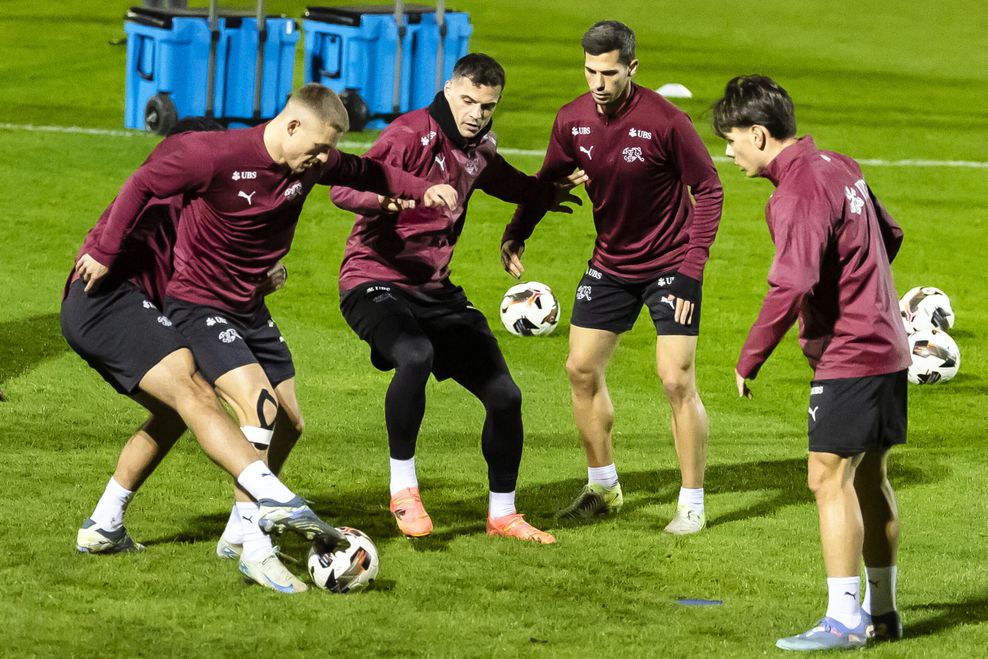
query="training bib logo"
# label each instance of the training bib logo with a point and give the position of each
(228, 335)
(632, 153)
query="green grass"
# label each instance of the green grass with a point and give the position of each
(879, 80)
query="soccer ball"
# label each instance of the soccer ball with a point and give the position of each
(529, 309)
(936, 357)
(926, 307)
(347, 570)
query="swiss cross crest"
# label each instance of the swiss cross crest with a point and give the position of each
(472, 165)
(632, 153)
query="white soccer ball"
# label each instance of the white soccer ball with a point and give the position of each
(926, 307)
(347, 570)
(529, 309)
(936, 357)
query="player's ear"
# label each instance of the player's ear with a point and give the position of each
(759, 136)
(293, 126)
(632, 67)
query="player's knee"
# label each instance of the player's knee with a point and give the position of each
(581, 375)
(503, 396)
(415, 355)
(678, 385)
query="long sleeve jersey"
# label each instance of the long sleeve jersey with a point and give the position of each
(643, 163)
(413, 248)
(834, 244)
(239, 209)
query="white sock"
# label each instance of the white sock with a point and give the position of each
(256, 543)
(110, 508)
(259, 437)
(501, 504)
(403, 475)
(606, 476)
(879, 595)
(260, 483)
(234, 533)
(692, 497)
(842, 603)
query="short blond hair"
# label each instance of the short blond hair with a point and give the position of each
(324, 103)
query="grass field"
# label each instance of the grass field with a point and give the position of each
(883, 81)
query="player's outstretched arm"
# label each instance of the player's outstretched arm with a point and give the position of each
(563, 192)
(511, 251)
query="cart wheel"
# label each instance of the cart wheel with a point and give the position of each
(356, 109)
(159, 114)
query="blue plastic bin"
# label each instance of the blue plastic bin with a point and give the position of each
(168, 56)
(353, 50)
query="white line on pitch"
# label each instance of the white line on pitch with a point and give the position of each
(346, 144)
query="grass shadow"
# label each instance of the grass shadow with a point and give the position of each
(951, 614)
(26, 343)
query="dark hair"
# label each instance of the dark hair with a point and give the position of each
(482, 69)
(605, 36)
(196, 125)
(755, 100)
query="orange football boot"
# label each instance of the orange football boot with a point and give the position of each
(515, 526)
(406, 506)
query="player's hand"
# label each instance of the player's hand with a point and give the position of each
(563, 194)
(684, 309)
(90, 271)
(277, 276)
(394, 204)
(743, 390)
(511, 251)
(440, 194)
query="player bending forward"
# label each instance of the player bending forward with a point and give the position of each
(242, 192)
(645, 161)
(114, 322)
(396, 294)
(834, 242)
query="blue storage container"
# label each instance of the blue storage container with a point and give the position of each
(352, 50)
(168, 66)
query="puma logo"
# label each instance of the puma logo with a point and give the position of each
(813, 412)
(248, 197)
(587, 151)
(441, 161)
(249, 519)
(668, 300)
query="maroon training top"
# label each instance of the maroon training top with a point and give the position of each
(146, 258)
(240, 209)
(412, 249)
(834, 242)
(640, 162)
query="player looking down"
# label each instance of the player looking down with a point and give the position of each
(834, 244)
(656, 207)
(242, 193)
(396, 294)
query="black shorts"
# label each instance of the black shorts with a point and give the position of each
(223, 341)
(848, 416)
(119, 332)
(606, 302)
(461, 338)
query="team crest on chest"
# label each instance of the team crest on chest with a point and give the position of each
(632, 153)
(472, 166)
(293, 190)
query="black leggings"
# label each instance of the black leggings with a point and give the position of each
(483, 373)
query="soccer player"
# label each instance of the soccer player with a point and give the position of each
(656, 207)
(834, 242)
(396, 294)
(113, 321)
(242, 193)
